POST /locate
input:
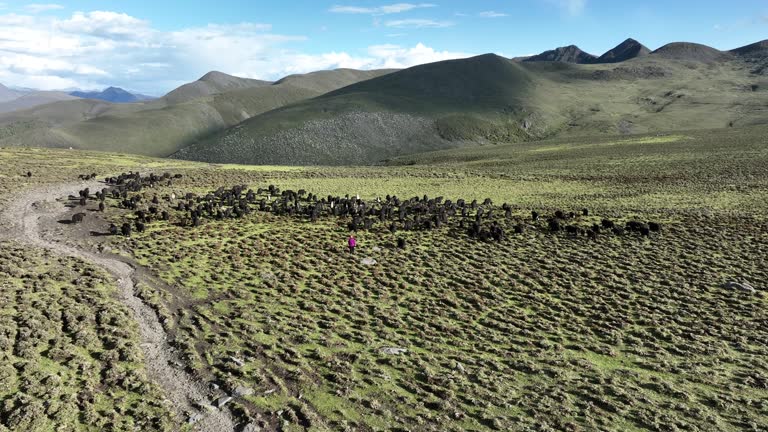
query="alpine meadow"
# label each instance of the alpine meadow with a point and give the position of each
(384, 217)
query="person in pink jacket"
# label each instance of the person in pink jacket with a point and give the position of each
(352, 243)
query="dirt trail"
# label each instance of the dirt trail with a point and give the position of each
(31, 218)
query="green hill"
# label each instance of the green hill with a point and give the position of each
(566, 54)
(211, 83)
(160, 127)
(691, 52)
(33, 99)
(7, 94)
(383, 117)
(624, 51)
(490, 99)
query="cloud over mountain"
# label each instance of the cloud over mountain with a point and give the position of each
(97, 49)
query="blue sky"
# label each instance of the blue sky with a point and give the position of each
(153, 46)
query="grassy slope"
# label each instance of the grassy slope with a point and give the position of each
(489, 99)
(336, 132)
(33, 99)
(69, 348)
(619, 334)
(550, 331)
(163, 130)
(57, 114)
(211, 83)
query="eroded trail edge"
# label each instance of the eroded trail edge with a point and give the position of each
(32, 218)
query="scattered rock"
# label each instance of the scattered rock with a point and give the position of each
(459, 367)
(252, 427)
(740, 286)
(368, 261)
(238, 362)
(220, 402)
(269, 392)
(241, 391)
(376, 249)
(194, 418)
(393, 350)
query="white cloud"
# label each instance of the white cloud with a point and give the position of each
(387, 56)
(418, 23)
(105, 24)
(380, 10)
(100, 48)
(570, 7)
(13, 19)
(33, 65)
(491, 14)
(36, 8)
(396, 56)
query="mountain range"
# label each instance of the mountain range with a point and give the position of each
(7, 94)
(112, 94)
(362, 117)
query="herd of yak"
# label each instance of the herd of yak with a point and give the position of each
(480, 221)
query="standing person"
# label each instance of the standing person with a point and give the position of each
(352, 242)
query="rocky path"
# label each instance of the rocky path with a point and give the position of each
(31, 218)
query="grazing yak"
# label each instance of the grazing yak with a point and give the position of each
(382, 215)
(78, 217)
(554, 225)
(573, 230)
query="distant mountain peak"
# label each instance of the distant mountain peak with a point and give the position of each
(624, 51)
(111, 94)
(216, 76)
(691, 52)
(565, 54)
(755, 49)
(7, 94)
(211, 83)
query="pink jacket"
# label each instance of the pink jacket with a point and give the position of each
(352, 242)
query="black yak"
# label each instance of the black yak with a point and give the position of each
(554, 225)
